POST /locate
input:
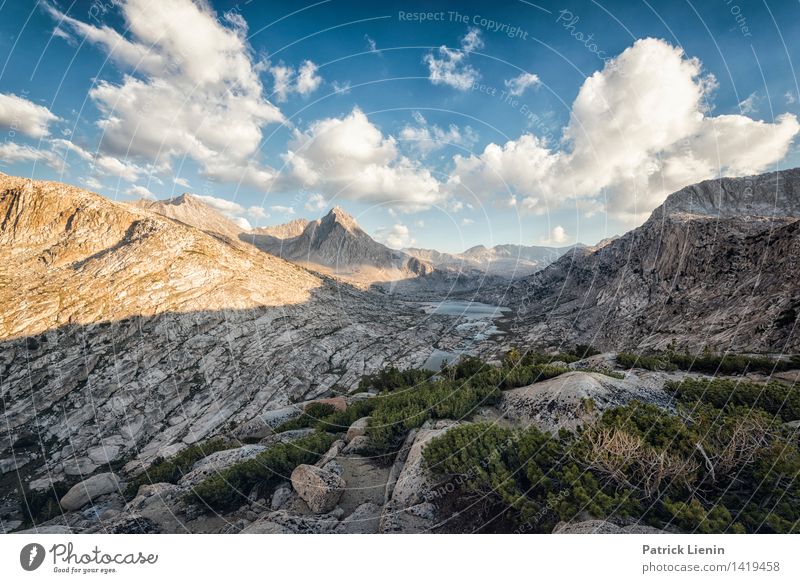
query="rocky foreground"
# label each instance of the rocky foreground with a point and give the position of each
(126, 335)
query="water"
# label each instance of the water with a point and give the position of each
(476, 324)
(463, 309)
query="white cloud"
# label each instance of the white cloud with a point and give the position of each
(282, 210)
(287, 81)
(186, 75)
(749, 104)
(427, 137)
(790, 98)
(519, 84)
(101, 163)
(316, 202)
(449, 67)
(91, 182)
(639, 130)
(351, 158)
(19, 114)
(181, 182)
(371, 44)
(557, 236)
(11, 153)
(227, 207)
(141, 192)
(242, 223)
(257, 212)
(465, 222)
(396, 236)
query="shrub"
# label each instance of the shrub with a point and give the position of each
(774, 398)
(522, 376)
(171, 470)
(230, 488)
(392, 378)
(395, 414)
(313, 413)
(631, 360)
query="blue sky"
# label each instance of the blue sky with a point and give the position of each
(437, 124)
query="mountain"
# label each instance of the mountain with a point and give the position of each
(285, 231)
(336, 245)
(189, 209)
(126, 335)
(507, 261)
(715, 265)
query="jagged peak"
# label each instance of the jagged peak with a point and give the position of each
(770, 194)
(338, 215)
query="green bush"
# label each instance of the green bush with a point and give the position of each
(631, 360)
(704, 469)
(524, 375)
(774, 398)
(171, 470)
(392, 378)
(394, 414)
(313, 413)
(39, 506)
(230, 488)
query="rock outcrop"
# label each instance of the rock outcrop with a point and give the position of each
(715, 266)
(318, 487)
(85, 492)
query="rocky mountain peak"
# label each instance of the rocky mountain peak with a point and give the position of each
(338, 215)
(775, 194)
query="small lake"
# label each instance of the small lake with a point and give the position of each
(463, 309)
(476, 323)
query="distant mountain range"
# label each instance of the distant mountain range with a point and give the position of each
(336, 245)
(715, 265)
(508, 261)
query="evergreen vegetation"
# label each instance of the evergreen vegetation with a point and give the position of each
(229, 488)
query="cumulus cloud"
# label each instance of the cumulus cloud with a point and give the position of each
(448, 67)
(639, 129)
(19, 114)
(11, 153)
(315, 202)
(287, 81)
(518, 85)
(790, 98)
(397, 236)
(186, 75)
(141, 192)
(350, 157)
(227, 207)
(282, 210)
(426, 137)
(102, 163)
(557, 236)
(257, 212)
(242, 223)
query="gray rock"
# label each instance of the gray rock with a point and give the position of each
(213, 464)
(84, 492)
(357, 429)
(414, 483)
(364, 520)
(319, 488)
(603, 527)
(281, 497)
(359, 444)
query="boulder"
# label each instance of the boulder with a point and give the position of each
(357, 429)
(365, 519)
(414, 483)
(281, 497)
(359, 444)
(319, 488)
(84, 492)
(419, 518)
(284, 522)
(560, 402)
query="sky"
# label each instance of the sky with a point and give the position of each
(436, 124)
